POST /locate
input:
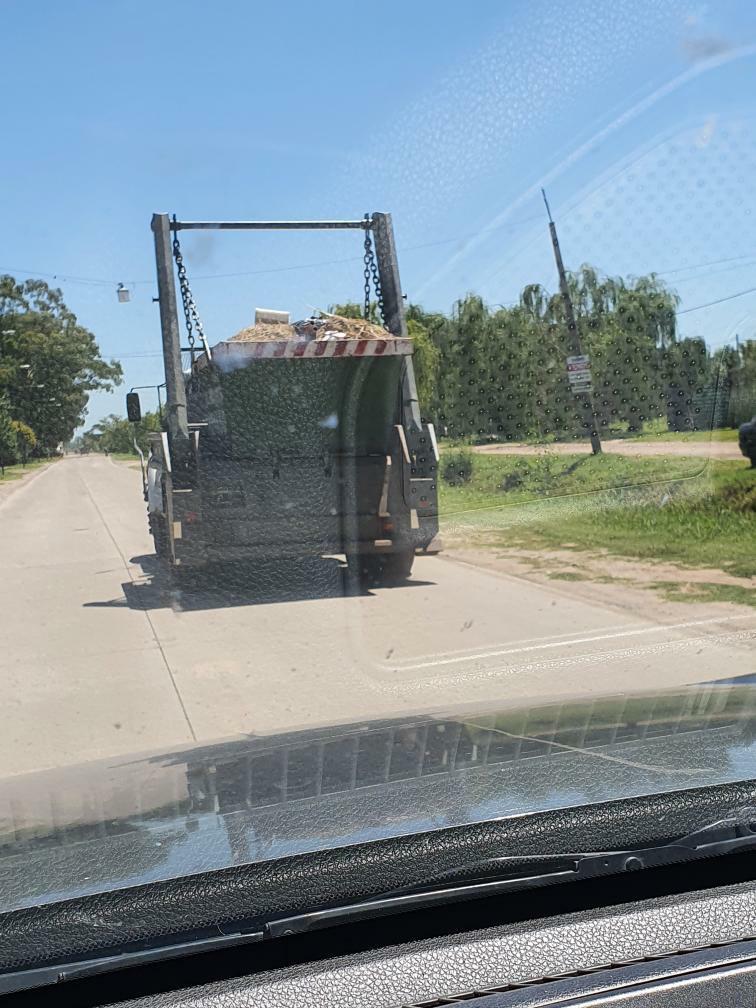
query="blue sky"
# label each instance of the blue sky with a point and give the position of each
(637, 115)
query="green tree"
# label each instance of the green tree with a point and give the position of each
(8, 441)
(737, 373)
(350, 309)
(502, 372)
(427, 361)
(116, 434)
(50, 363)
(26, 439)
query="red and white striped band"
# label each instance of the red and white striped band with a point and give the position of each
(239, 350)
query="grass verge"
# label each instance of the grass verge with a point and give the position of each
(512, 479)
(726, 434)
(652, 433)
(681, 510)
(15, 472)
(706, 592)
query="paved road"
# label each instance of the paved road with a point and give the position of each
(98, 659)
(720, 450)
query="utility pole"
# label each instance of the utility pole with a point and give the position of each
(581, 390)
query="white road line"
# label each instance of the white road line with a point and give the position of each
(589, 658)
(473, 652)
(656, 628)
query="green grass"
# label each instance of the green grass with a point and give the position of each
(511, 479)
(15, 472)
(653, 431)
(681, 510)
(124, 456)
(728, 434)
(706, 592)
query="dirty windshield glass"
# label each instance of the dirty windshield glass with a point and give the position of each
(377, 423)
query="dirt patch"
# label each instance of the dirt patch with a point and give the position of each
(603, 565)
(651, 590)
(699, 449)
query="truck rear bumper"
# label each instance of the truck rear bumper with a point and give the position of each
(198, 554)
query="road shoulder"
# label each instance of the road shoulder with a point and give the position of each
(654, 591)
(10, 487)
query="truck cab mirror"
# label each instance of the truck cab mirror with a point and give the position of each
(133, 407)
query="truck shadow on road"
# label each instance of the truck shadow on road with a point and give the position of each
(288, 580)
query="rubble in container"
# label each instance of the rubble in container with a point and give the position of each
(322, 327)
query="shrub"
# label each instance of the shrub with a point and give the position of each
(657, 427)
(740, 498)
(8, 440)
(26, 439)
(457, 467)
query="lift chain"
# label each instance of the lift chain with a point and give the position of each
(193, 321)
(370, 273)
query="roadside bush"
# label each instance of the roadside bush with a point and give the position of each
(457, 467)
(739, 497)
(26, 439)
(8, 441)
(658, 427)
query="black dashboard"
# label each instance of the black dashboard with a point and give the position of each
(690, 951)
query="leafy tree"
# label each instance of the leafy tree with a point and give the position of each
(737, 373)
(116, 434)
(8, 442)
(427, 362)
(26, 439)
(350, 309)
(50, 363)
(502, 372)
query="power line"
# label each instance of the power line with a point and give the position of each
(99, 281)
(747, 264)
(711, 262)
(730, 297)
(132, 356)
(684, 311)
(58, 276)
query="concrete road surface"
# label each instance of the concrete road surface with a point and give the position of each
(99, 658)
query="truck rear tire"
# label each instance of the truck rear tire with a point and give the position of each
(366, 567)
(159, 530)
(376, 569)
(397, 567)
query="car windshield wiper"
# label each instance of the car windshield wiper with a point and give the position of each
(468, 881)
(492, 876)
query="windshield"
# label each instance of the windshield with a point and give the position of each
(377, 424)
